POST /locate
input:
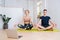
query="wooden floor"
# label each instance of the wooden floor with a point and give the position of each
(40, 36)
(3, 36)
(33, 36)
(12, 39)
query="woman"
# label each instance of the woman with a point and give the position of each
(27, 21)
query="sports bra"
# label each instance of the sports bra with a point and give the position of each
(26, 20)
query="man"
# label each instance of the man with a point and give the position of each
(45, 22)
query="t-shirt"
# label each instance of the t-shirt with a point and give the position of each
(45, 21)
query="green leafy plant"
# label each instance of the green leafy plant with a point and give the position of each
(5, 21)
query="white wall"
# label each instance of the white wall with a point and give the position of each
(1, 12)
(53, 7)
(18, 4)
(16, 15)
(25, 4)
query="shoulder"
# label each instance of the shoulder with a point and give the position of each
(48, 17)
(41, 17)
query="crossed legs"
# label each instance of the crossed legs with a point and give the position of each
(39, 27)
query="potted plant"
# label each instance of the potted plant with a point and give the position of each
(5, 21)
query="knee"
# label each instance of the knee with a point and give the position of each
(30, 25)
(37, 25)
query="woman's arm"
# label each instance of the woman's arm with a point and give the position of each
(39, 22)
(31, 21)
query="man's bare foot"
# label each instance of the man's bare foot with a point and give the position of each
(41, 29)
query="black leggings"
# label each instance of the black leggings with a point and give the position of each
(27, 26)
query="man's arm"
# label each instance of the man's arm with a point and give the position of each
(54, 25)
(39, 22)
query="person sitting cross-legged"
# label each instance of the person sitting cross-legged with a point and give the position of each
(45, 22)
(27, 21)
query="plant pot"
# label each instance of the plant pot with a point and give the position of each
(5, 26)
